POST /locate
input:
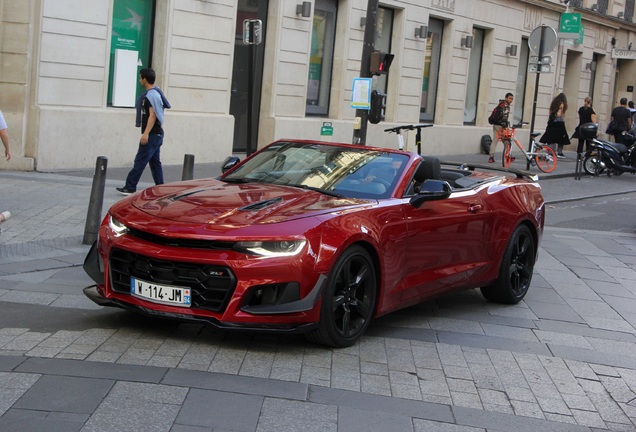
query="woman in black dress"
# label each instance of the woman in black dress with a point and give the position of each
(586, 115)
(555, 132)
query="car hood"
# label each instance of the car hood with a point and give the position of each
(216, 202)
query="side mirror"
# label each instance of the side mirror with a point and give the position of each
(229, 163)
(431, 190)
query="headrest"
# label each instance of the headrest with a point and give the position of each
(429, 169)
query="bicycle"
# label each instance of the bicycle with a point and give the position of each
(541, 155)
(418, 134)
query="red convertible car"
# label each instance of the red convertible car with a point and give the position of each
(319, 238)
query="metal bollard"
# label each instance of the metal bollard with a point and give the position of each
(94, 214)
(188, 167)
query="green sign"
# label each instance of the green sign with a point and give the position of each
(132, 25)
(570, 23)
(326, 129)
(581, 35)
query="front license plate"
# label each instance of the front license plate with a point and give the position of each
(166, 294)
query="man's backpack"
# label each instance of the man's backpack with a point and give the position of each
(495, 116)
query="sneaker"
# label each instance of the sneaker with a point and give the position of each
(560, 156)
(124, 191)
(491, 160)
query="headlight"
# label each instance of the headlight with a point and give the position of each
(277, 248)
(117, 227)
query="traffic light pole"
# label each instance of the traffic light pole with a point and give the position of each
(536, 92)
(360, 135)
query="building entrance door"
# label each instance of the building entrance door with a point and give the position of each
(245, 104)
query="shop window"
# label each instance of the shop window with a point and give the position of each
(593, 67)
(323, 36)
(522, 81)
(629, 10)
(431, 69)
(474, 75)
(130, 49)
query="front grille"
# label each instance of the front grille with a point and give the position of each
(181, 242)
(212, 286)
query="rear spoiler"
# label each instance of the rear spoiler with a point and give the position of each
(526, 175)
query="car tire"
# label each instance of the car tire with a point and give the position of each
(348, 301)
(516, 269)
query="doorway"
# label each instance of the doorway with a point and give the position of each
(245, 99)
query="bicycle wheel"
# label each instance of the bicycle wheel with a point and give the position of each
(546, 159)
(506, 158)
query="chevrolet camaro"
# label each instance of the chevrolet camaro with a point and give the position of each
(318, 238)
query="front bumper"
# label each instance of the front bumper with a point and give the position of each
(295, 316)
(93, 294)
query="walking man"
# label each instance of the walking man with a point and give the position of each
(622, 119)
(501, 112)
(152, 109)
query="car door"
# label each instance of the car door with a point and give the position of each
(447, 243)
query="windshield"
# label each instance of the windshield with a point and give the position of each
(348, 172)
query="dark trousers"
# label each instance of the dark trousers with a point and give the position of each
(618, 137)
(579, 149)
(147, 154)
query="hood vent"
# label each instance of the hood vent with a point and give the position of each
(261, 204)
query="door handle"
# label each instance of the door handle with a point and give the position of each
(474, 208)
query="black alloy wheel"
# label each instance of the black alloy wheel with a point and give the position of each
(516, 269)
(348, 302)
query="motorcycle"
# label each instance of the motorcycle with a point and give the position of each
(604, 156)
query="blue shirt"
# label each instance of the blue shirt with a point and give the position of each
(157, 104)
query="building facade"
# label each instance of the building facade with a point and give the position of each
(68, 71)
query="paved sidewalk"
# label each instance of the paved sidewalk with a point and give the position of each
(564, 359)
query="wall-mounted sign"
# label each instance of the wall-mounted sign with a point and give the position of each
(131, 31)
(326, 129)
(570, 26)
(623, 54)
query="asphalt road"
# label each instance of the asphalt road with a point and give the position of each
(614, 213)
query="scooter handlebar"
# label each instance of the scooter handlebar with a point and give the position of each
(408, 127)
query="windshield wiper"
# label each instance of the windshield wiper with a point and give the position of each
(322, 191)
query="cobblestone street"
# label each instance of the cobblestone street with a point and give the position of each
(563, 359)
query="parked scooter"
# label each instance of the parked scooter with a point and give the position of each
(604, 156)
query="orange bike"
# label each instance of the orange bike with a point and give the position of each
(541, 155)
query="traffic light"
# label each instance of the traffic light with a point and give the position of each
(378, 104)
(380, 62)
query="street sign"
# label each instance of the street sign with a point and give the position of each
(535, 68)
(544, 60)
(326, 129)
(549, 40)
(252, 32)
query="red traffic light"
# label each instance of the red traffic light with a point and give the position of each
(380, 62)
